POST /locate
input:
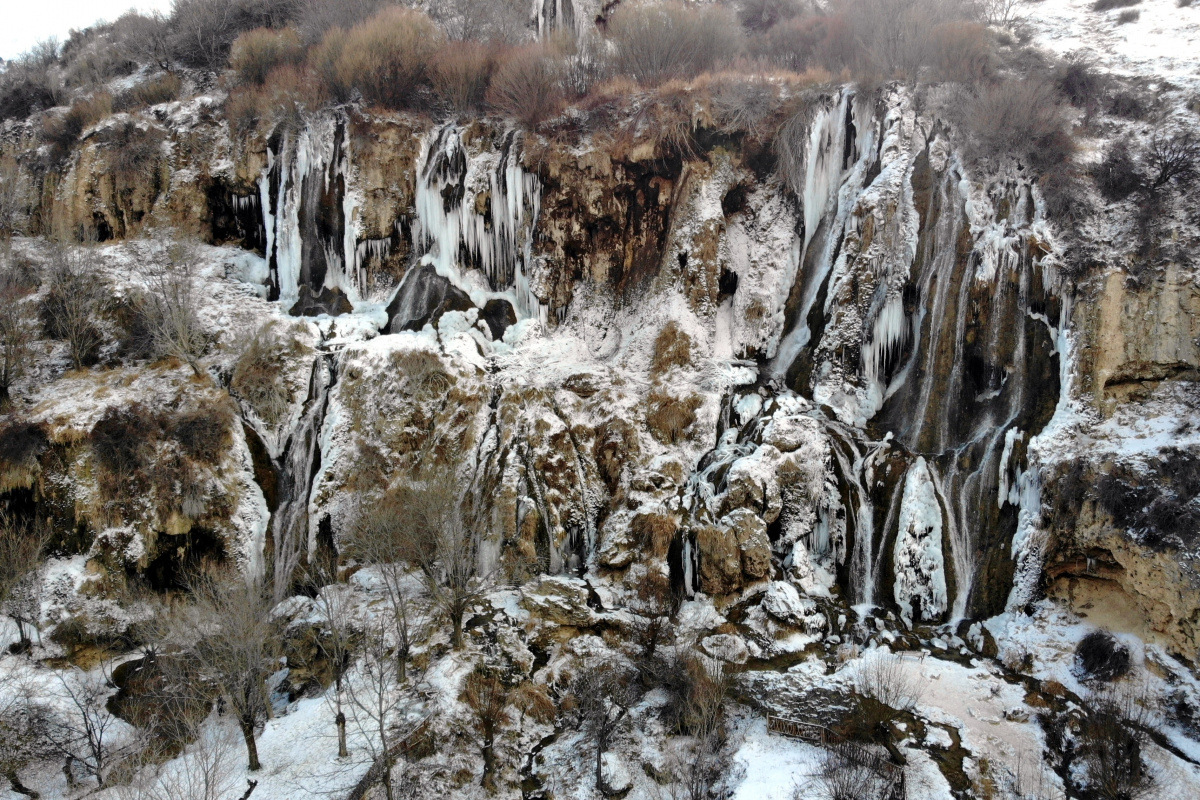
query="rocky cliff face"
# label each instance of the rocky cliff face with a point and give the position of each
(863, 372)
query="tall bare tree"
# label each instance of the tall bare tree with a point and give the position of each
(238, 647)
(487, 694)
(335, 604)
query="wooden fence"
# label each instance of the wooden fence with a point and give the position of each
(824, 737)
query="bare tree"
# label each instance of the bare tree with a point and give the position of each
(603, 693)
(501, 21)
(24, 723)
(882, 676)
(423, 523)
(238, 647)
(376, 539)
(486, 694)
(1171, 157)
(377, 702)
(998, 12)
(83, 732)
(845, 775)
(335, 604)
(172, 305)
(20, 567)
(206, 770)
(13, 199)
(1112, 738)
(76, 299)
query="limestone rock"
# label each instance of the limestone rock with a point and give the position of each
(559, 600)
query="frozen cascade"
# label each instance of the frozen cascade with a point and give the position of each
(455, 233)
(292, 535)
(831, 187)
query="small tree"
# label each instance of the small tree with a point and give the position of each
(238, 648)
(335, 604)
(423, 523)
(17, 330)
(82, 733)
(486, 694)
(1171, 157)
(206, 770)
(1112, 736)
(603, 693)
(375, 701)
(172, 305)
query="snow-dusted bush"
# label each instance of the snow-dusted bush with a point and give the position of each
(1117, 175)
(1110, 741)
(1100, 656)
(670, 417)
(163, 88)
(1109, 5)
(257, 379)
(1020, 118)
(672, 348)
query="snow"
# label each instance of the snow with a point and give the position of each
(773, 766)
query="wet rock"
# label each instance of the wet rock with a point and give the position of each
(327, 301)
(423, 297)
(726, 647)
(499, 315)
(563, 601)
(753, 544)
(720, 560)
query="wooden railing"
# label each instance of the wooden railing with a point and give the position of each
(820, 735)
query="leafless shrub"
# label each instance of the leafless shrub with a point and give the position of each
(1020, 118)
(31, 82)
(24, 723)
(282, 103)
(204, 432)
(21, 445)
(255, 53)
(238, 642)
(385, 58)
(1100, 656)
(657, 42)
(17, 323)
(143, 38)
(1109, 5)
(315, 18)
(163, 88)
(172, 306)
(461, 73)
(882, 676)
(998, 12)
(1172, 157)
(670, 417)
(62, 130)
(961, 51)
(92, 57)
(75, 300)
(206, 770)
(527, 85)
(14, 200)
(21, 547)
(1112, 736)
(843, 775)
(1117, 175)
(1128, 16)
(761, 15)
(499, 21)
(83, 730)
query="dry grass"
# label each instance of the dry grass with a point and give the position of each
(205, 432)
(258, 378)
(653, 533)
(670, 417)
(461, 74)
(289, 93)
(672, 348)
(164, 88)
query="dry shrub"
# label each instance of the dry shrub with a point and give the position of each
(656, 42)
(1128, 105)
(282, 102)
(1078, 80)
(533, 701)
(163, 88)
(258, 378)
(315, 18)
(1117, 175)
(61, 131)
(1110, 742)
(202, 31)
(135, 151)
(794, 44)
(1099, 656)
(255, 53)
(527, 85)
(30, 82)
(961, 51)
(385, 58)
(21, 445)
(666, 119)
(123, 444)
(672, 348)
(461, 73)
(1020, 118)
(670, 417)
(1126, 17)
(653, 533)
(204, 433)
(1109, 5)
(762, 15)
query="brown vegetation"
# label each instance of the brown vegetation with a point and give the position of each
(670, 417)
(255, 53)
(527, 85)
